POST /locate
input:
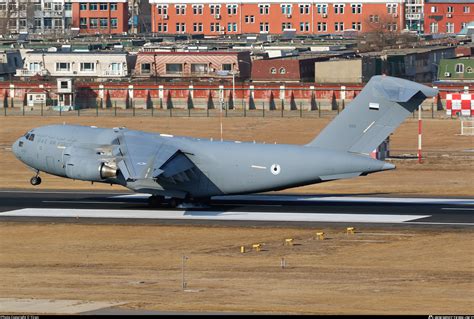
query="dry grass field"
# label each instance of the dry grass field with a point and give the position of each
(446, 171)
(375, 271)
(371, 272)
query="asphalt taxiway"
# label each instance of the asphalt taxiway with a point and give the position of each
(275, 210)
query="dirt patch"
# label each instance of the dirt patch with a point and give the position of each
(446, 171)
(407, 271)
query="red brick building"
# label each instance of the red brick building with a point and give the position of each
(100, 16)
(214, 17)
(209, 64)
(290, 69)
(447, 16)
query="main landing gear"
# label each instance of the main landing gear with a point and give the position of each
(35, 180)
(157, 201)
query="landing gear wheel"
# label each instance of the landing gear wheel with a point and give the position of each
(35, 180)
(174, 202)
(155, 201)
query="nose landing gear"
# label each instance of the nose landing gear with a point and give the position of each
(35, 180)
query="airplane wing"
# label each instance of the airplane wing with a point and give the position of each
(143, 156)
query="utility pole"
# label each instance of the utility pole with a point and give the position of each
(183, 263)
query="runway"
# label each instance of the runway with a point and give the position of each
(286, 210)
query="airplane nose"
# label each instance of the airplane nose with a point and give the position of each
(15, 147)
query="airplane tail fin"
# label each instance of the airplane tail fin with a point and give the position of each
(374, 114)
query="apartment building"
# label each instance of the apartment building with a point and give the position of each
(100, 16)
(447, 16)
(214, 17)
(39, 16)
(100, 65)
(414, 15)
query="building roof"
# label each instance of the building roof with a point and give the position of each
(449, 1)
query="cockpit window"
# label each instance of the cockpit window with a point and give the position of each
(20, 143)
(27, 135)
(31, 137)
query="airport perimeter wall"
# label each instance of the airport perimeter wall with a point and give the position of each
(146, 96)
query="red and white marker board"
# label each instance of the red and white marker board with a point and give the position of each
(462, 103)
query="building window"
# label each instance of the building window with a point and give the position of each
(339, 26)
(64, 84)
(356, 8)
(162, 27)
(103, 6)
(459, 68)
(286, 25)
(180, 9)
(215, 27)
(174, 68)
(434, 9)
(197, 27)
(113, 23)
(322, 8)
(226, 67)
(197, 9)
(338, 8)
(104, 23)
(146, 68)
(83, 23)
(199, 68)
(34, 66)
(392, 8)
(273, 71)
(180, 27)
(93, 23)
(93, 6)
(264, 27)
(63, 66)
(249, 19)
(357, 26)
(231, 9)
(322, 27)
(38, 23)
(264, 8)
(450, 9)
(304, 26)
(304, 8)
(215, 9)
(286, 9)
(449, 27)
(282, 71)
(82, 6)
(467, 9)
(57, 7)
(391, 26)
(113, 7)
(68, 6)
(48, 6)
(374, 18)
(87, 67)
(433, 27)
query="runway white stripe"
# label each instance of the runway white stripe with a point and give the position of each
(210, 215)
(343, 199)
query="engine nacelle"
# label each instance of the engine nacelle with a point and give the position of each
(87, 169)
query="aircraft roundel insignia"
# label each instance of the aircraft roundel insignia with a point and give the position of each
(275, 169)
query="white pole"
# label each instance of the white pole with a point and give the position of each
(419, 134)
(233, 89)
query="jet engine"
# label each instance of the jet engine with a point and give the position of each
(87, 169)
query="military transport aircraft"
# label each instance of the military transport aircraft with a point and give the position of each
(193, 169)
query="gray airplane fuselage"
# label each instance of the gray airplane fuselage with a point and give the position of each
(226, 167)
(185, 167)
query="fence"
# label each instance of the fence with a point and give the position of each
(187, 101)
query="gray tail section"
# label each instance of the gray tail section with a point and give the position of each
(374, 114)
